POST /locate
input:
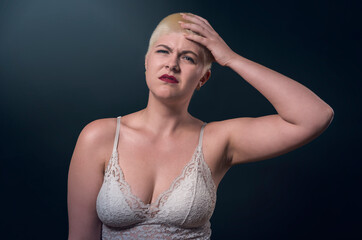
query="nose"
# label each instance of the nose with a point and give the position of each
(173, 64)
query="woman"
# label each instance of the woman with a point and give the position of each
(133, 178)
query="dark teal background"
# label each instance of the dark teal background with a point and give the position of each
(66, 63)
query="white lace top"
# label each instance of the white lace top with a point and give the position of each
(181, 212)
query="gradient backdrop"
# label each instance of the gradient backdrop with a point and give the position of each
(66, 63)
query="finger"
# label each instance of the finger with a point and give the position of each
(190, 16)
(198, 20)
(193, 16)
(196, 38)
(195, 28)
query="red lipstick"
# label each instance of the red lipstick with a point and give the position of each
(168, 78)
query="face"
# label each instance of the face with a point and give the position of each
(180, 63)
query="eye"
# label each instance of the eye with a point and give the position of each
(162, 51)
(190, 59)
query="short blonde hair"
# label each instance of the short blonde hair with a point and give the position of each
(170, 25)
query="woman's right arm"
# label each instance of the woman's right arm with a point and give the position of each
(85, 179)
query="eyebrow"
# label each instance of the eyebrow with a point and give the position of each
(183, 52)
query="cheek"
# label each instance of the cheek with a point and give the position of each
(148, 77)
(195, 76)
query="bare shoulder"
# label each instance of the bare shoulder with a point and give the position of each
(217, 140)
(97, 137)
(219, 132)
(85, 177)
(97, 131)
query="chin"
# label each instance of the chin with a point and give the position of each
(165, 93)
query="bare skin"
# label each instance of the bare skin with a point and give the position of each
(158, 141)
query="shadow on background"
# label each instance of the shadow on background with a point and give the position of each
(66, 63)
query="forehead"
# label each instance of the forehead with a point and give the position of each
(179, 42)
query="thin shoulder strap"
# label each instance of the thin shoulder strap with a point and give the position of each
(117, 134)
(201, 134)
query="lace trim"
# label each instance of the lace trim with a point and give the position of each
(156, 232)
(143, 210)
(113, 171)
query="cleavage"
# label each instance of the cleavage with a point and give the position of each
(145, 185)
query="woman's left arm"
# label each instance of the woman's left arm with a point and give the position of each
(301, 117)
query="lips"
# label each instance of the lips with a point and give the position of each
(168, 78)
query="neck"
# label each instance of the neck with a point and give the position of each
(164, 116)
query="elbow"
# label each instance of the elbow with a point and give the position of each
(329, 115)
(318, 120)
(325, 118)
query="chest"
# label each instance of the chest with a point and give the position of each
(150, 168)
(188, 202)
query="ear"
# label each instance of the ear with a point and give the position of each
(146, 60)
(206, 77)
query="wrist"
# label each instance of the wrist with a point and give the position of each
(232, 60)
(236, 61)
